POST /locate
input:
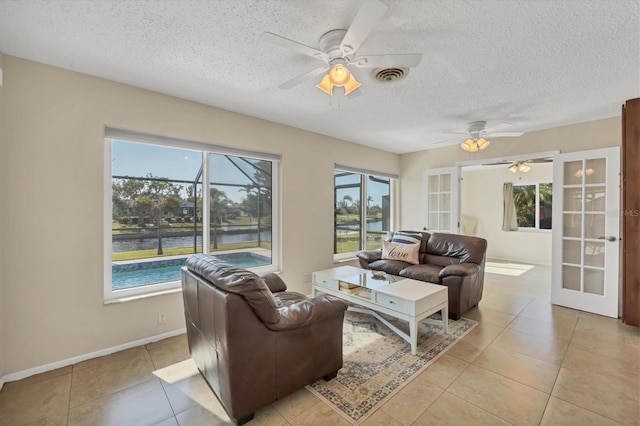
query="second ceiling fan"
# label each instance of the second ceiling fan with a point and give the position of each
(338, 50)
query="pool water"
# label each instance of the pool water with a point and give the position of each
(162, 271)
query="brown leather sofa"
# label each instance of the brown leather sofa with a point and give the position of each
(456, 261)
(253, 341)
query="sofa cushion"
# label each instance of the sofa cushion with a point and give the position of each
(428, 273)
(392, 267)
(465, 248)
(439, 260)
(233, 279)
(399, 251)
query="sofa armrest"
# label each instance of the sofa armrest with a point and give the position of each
(370, 255)
(460, 269)
(274, 282)
(307, 312)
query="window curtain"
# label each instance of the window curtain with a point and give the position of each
(509, 220)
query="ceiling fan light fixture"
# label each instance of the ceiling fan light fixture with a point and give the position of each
(524, 168)
(475, 145)
(469, 145)
(325, 85)
(482, 143)
(351, 85)
(513, 168)
(339, 75)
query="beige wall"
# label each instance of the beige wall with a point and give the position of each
(53, 240)
(577, 137)
(482, 201)
(2, 299)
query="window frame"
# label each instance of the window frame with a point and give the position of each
(535, 228)
(112, 134)
(364, 178)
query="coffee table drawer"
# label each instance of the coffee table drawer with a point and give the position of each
(329, 283)
(394, 303)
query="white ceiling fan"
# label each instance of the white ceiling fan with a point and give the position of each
(523, 166)
(338, 50)
(478, 134)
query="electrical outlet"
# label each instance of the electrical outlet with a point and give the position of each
(162, 318)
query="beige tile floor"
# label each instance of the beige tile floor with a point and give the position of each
(527, 362)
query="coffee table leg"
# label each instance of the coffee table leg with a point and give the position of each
(413, 333)
(445, 319)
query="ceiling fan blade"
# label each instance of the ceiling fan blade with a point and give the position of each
(450, 140)
(368, 16)
(505, 134)
(541, 160)
(388, 61)
(301, 78)
(496, 127)
(293, 45)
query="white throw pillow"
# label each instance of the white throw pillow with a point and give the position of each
(409, 253)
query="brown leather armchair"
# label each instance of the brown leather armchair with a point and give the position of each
(253, 341)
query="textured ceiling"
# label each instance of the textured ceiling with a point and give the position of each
(534, 64)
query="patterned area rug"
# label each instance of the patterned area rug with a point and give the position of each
(378, 363)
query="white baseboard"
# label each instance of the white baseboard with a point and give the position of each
(76, 359)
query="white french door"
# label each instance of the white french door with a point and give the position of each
(586, 229)
(441, 200)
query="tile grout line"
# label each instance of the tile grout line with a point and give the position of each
(556, 380)
(164, 391)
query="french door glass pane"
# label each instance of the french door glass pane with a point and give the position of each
(594, 253)
(596, 171)
(433, 183)
(595, 199)
(572, 225)
(445, 183)
(433, 202)
(573, 173)
(571, 251)
(572, 199)
(571, 277)
(594, 281)
(594, 225)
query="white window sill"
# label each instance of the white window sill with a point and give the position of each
(133, 297)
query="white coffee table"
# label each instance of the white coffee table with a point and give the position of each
(403, 298)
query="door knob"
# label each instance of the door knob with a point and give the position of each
(609, 238)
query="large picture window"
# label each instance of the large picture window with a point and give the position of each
(533, 205)
(362, 211)
(159, 213)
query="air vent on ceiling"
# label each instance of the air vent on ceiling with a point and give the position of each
(389, 75)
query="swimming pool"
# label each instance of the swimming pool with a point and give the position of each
(162, 271)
